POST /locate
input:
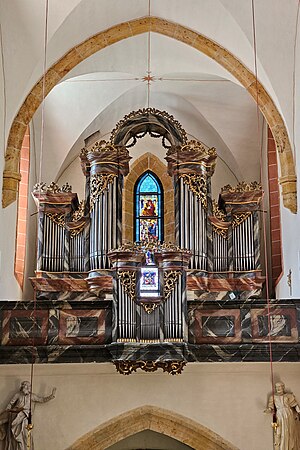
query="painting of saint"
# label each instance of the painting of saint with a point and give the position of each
(149, 208)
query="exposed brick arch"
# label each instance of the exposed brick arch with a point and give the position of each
(148, 161)
(79, 53)
(155, 419)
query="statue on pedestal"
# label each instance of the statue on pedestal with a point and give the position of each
(15, 426)
(286, 435)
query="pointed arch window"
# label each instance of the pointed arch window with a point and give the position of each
(148, 208)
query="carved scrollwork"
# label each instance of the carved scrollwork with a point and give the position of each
(79, 213)
(128, 281)
(217, 212)
(128, 367)
(103, 146)
(237, 219)
(99, 183)
(58, 218)
(152, 245)
(149, 307)
(52, 188)
(197, 184)
(242, 187)
(130, 120)
(220, 231)
(171, 278)
(193, 146)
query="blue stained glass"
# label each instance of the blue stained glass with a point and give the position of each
(148, 184)
(148, 208)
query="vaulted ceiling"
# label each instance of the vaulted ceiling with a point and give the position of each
(209, 102)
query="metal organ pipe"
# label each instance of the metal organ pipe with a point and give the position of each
(193, 226)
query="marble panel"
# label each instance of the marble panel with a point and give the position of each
(53, 326)
(282, 324)
(82, 327)
(215, 326)
(24, 327)
(246, 324)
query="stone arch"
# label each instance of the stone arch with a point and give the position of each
(79, 53)
(148, 161)
(155, 419)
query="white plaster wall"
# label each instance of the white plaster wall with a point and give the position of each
(9, 288)
(227, 398)
(290, 232)
(290, 223)
(74, 176)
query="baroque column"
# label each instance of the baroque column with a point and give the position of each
(191, 166)
(104, 165)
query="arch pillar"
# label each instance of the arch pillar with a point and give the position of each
(178, 32)
(155, 419)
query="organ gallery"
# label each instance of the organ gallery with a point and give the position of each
(179, 290)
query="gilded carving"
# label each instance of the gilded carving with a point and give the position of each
(129, 118)
(220, 215)
(152, 245)
(220, 231)
(128, 281)
(197, 184)
(99, 183)
(105, 148)
(171, 278)
(79, 213)
(217, 212)
(194, 146)
(149, 307)
(52, 188)
(128, 367)
(237, 219)
(58, 218)
(243, 187)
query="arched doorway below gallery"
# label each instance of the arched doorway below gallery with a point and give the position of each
(185, 432)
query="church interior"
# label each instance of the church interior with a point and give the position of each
(149, 244)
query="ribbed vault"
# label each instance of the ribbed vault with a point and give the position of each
(176, 31)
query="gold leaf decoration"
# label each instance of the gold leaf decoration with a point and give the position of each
(170, 280)
(99, 183)
(242, 187)
(128, 281)
(237, 219)
(196, 184)
(58, 218)
(126, 367)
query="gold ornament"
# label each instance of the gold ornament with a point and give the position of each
(128, 281)
(196, 184)
(128, 367)
(99, 183)
(170, 280)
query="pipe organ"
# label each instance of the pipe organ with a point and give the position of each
(149, 297)
(215, 252)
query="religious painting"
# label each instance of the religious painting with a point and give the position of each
(149, 285)
(148, 208)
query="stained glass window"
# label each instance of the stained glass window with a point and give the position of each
(148, 208)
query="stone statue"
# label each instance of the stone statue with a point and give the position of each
(287, 409)
(14, 419)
